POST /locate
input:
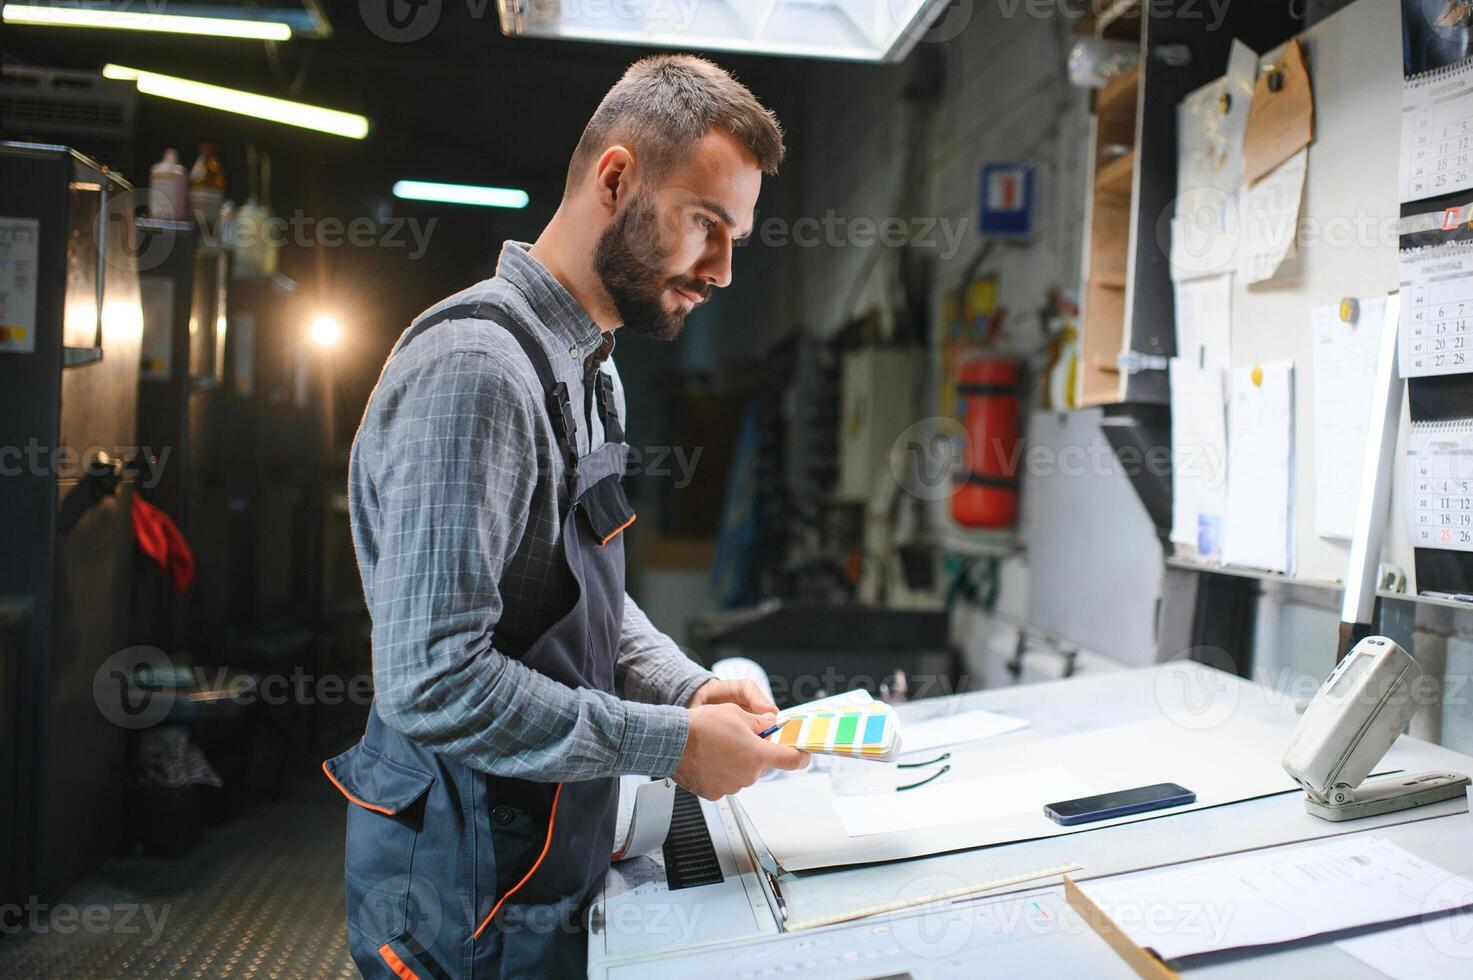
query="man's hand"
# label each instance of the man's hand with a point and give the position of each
(723, 753)
(743, 693)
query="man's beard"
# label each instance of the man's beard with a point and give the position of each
(628, 263)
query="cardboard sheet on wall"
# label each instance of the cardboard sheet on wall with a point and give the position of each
(1281, 119)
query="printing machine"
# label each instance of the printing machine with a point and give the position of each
(69, 374)
(746, 917)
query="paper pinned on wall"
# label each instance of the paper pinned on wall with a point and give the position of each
(1204, 322)
(1258, 529)
(1270, 220)
(1344, 371)
(1198, 452)
(1209, 175)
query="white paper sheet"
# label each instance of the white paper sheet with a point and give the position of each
(965, 726)
(1433, 949)
(1271, 896)
(1344, 372)
(1258, 529)
(957, 800)
(1270, 219)
(1204, 321)
(1205, 226)
(642, 821)
(1198, 453)
(1231, 760)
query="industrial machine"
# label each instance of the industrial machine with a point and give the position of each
(69, 309)
(184, 283)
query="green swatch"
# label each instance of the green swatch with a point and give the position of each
(848, 725)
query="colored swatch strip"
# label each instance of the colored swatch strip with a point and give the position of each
(843, 732)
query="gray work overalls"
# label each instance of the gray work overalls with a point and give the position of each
(452, 872)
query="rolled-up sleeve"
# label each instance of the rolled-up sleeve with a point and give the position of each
(651, 668)
(455, 450)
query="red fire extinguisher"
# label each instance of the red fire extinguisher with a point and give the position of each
(988, 390)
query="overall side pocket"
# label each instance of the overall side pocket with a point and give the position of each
(385, 818)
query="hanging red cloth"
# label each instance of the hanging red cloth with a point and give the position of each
(159, 538)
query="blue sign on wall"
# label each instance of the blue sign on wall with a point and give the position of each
(1007, 200)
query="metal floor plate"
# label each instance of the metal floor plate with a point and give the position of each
(260, 897)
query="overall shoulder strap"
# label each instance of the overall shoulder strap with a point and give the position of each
(558, 403)
(608, 411)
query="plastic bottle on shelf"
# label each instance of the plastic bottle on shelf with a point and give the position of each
(255, 240)
(169, 186)
(206, 187)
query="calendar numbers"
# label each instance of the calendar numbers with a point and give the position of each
(1441, 457)
(1437, 142)
(1437, 311)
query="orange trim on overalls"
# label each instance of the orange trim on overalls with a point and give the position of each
(367, 806)
(400, 968)
(546, 846)
(618, 530)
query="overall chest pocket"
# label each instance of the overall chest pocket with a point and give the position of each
(605, 509)
(386, 814)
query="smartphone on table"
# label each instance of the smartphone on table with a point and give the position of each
(1119, 803)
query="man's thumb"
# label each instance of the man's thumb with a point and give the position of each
(760, 723)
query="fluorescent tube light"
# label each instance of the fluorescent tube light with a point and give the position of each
(243, 103)
(132, 20)
(486, 197)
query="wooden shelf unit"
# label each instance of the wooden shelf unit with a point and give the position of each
(1107, 250)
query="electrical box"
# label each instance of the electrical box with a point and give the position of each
(880, 397)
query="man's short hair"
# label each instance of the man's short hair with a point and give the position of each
(663, 106)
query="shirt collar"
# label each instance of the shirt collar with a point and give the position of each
(552, 304)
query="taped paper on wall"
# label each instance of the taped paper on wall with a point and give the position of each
(1344, 371)
(1204, 320)
(1258, 529)
(1270, 220)
(1199, 453)
(1209, 176)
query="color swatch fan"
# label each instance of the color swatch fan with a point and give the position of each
(853, 725)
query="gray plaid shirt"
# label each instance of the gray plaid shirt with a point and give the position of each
(456, 490)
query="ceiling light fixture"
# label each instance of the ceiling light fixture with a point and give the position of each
(243, 103)
(36, 15)
(486, 197)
